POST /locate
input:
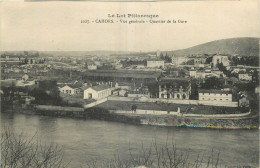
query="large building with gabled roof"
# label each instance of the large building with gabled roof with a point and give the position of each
(97, 92)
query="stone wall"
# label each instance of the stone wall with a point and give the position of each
(194, 102)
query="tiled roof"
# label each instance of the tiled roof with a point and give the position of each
(124, 73)
(100, 87)
(175, 82)
(97, 88)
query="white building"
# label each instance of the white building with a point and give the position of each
(25, 77)
(193, 73)
(215, 95)
(174, 88)
(242, 76)
(97, 92)
(155, 63)
(217, 59)
(69, 89)
(92, 67)
(158, 53)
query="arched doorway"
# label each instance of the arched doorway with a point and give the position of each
(162, 95)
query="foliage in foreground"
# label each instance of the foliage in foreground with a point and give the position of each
(17, 150)
(155, 156)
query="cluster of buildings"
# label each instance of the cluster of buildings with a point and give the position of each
(154, 79)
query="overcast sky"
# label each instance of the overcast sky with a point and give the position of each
(55, 26)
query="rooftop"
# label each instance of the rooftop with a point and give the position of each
(98, 87)
(177, 82)
(124, 73)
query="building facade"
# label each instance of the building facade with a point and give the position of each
(155, 63)
(215, 95)
(69, 90)
(92, 67)
(174, 88)
(97, 92)
(217, 59)
(244, 76)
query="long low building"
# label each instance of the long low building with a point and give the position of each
(122, 75)
(215, 95)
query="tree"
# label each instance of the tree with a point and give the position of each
(212, 83)
(19, 151)
(47, 93)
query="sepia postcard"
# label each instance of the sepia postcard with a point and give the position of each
(151, 84)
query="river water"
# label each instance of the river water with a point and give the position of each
(85, 140)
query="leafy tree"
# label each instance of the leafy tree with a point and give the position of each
(212, 83)
(47, 92)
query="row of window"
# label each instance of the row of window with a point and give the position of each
(215, 99)
(66, 91)
(165, 89)
(174, 96)
(213, 94)
(69, 91)
(102, 94)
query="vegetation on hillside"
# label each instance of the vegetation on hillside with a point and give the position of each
(233, 46)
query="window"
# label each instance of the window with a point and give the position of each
(221, 99)
(90, 95)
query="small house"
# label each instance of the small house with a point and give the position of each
(69, 89)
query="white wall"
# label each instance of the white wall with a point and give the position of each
(91, 91)
(155, 64)
(67, 88)
(176, 101)
(215, 97)
(96, 94)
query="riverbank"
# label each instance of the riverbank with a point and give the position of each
(95, 113)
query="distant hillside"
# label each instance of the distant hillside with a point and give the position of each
(68, 53)
(233, 46)
(84, 53)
